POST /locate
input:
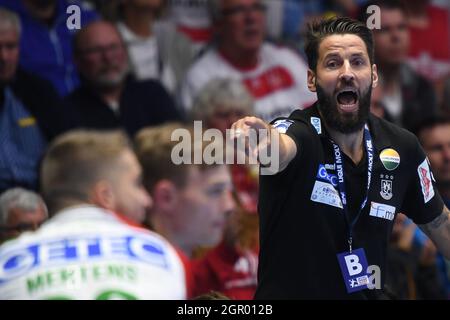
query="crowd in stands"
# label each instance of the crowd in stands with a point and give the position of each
(149, 67)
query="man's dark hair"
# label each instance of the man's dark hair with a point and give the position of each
(430, 123)
(382, 4)
(319, 30)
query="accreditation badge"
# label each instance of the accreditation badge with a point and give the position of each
(354, 270)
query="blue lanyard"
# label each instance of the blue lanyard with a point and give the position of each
(341, 183)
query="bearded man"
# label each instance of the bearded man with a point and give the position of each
(343, 176)
(109, 97)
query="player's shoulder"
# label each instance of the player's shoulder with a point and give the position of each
(386, 130)
(305, 123)
(206, 62)
(387, 135)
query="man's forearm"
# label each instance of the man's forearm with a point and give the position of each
(439, 231)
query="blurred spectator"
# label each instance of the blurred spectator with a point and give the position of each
(212, 295)
(85, 251)
(191, 202)
(276, 77)
(231, 267)
(446, 99)
(406, 96)
(221, 102)
(20, 210)
(156, 49)
(108, 97)
(46, 42)
(192, 19)
(429, 53)
(30, 112)
(412, 273)
(434, 135)
(287, 18)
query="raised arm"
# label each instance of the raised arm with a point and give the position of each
(438, 231)
(287, 149)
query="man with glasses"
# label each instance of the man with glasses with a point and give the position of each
(109, 97)
(20, 210)
(46, 39)
(276, 77)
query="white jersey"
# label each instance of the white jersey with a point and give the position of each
(278, 83)
(192, 18)
(87, 253)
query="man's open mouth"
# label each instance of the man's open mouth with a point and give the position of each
(347, 100)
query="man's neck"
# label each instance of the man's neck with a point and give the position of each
(350, 143)
(139, 21)
(163, 227)
(240, 58)
(108, 95)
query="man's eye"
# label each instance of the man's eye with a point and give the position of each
(215, 191)
(332, 64)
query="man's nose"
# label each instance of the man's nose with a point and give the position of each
(3, 54)
(347, 74)
(147, 199)
(228, 203)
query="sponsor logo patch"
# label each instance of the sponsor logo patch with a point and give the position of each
(282, 125)
(425, 181)
(381, 210)
(316, 124)
(325, 193)
(323, 175)
(390, 159)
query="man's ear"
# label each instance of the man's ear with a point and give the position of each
(102, 195)
(165, 196)
(374, 76)
(311, 80)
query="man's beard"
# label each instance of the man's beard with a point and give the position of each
(105, 82)
(343, 122)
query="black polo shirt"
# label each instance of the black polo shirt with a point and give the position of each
(142, 104)
(300, 237)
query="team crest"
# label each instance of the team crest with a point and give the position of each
(386, 187)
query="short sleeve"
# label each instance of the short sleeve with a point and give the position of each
(422, 202)
(303, 136)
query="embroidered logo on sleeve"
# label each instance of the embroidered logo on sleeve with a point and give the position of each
(315, 121)
(282, 125)
(425, 181)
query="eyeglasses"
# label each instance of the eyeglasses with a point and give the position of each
(240, 10)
